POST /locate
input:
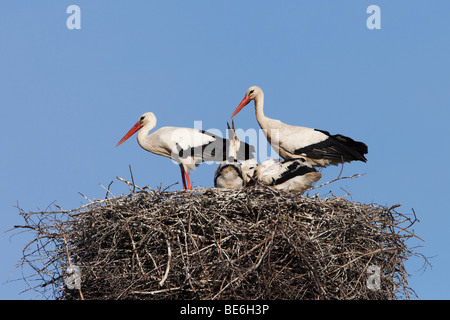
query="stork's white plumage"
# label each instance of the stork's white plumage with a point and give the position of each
(318, 147)
(187, 146)
(290, 175)
(248, 169)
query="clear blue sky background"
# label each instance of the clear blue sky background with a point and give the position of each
(68, 96)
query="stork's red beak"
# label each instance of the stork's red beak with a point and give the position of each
(132, 131)
(243, 103)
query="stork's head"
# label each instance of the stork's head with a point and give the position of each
(147, 119)
(254, 92)
(232, 133)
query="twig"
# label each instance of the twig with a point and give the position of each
(132, 179)
(156, 291)
(253, 267)
(134, 249)
(130, 184)
(107, 191)
(337, 179)
(109, 186)
(169, 259)
(86, 197)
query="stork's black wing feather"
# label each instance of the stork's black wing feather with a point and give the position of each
(295, 167)
(335, 147)
(216, 150)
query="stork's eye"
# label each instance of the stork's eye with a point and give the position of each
(251, 91)
(142, 118)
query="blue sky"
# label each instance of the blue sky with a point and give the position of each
(68, 96)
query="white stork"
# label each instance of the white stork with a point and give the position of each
(232, 174)
(229, 173)
(294, 175)
(248, 169)
(186, 146)
(318, 147)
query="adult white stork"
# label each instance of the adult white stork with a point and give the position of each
(318, 147)
(186, 146)
(294, 175)
(232, 174)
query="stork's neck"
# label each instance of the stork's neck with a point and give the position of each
(232, 152)
(143, 134)
(259, 105)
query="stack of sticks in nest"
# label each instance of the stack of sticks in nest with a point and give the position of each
(255, 243)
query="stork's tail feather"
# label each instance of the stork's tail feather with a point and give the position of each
(356, 148)
(335, 148)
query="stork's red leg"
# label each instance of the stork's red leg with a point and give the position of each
(182, 177)
(188, 180)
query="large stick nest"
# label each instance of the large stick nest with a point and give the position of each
(256, 243)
